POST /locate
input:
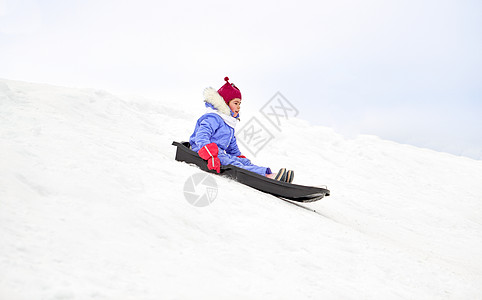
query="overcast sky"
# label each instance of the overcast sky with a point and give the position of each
(408, 71)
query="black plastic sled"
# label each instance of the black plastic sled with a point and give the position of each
(289, 191)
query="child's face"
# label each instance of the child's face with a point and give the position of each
(235, 106)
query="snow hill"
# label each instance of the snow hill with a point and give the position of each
(92, 207)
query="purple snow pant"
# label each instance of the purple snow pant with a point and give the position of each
(243, 163)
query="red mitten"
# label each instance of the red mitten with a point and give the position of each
(214, 164)
(210, 153)
(241, 156)
(210, 150)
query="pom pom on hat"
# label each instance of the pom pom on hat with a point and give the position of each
(229, 91)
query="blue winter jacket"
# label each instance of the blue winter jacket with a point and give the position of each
(211, 128)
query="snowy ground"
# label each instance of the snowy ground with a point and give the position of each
(92, 207)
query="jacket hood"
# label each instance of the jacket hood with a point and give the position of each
(212, 97)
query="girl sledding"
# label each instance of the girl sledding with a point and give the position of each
(213, 138)
(213, 148)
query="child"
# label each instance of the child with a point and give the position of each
(213, 138)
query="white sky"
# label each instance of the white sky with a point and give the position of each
(410, 71)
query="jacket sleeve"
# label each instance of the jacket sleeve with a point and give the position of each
(206, 129)
(233, 148)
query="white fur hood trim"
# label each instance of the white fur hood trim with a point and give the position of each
(212, 96)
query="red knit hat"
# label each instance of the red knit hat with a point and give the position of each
(229, 91)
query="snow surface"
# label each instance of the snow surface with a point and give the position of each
(92, 207)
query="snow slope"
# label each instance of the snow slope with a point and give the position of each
(92, 207)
